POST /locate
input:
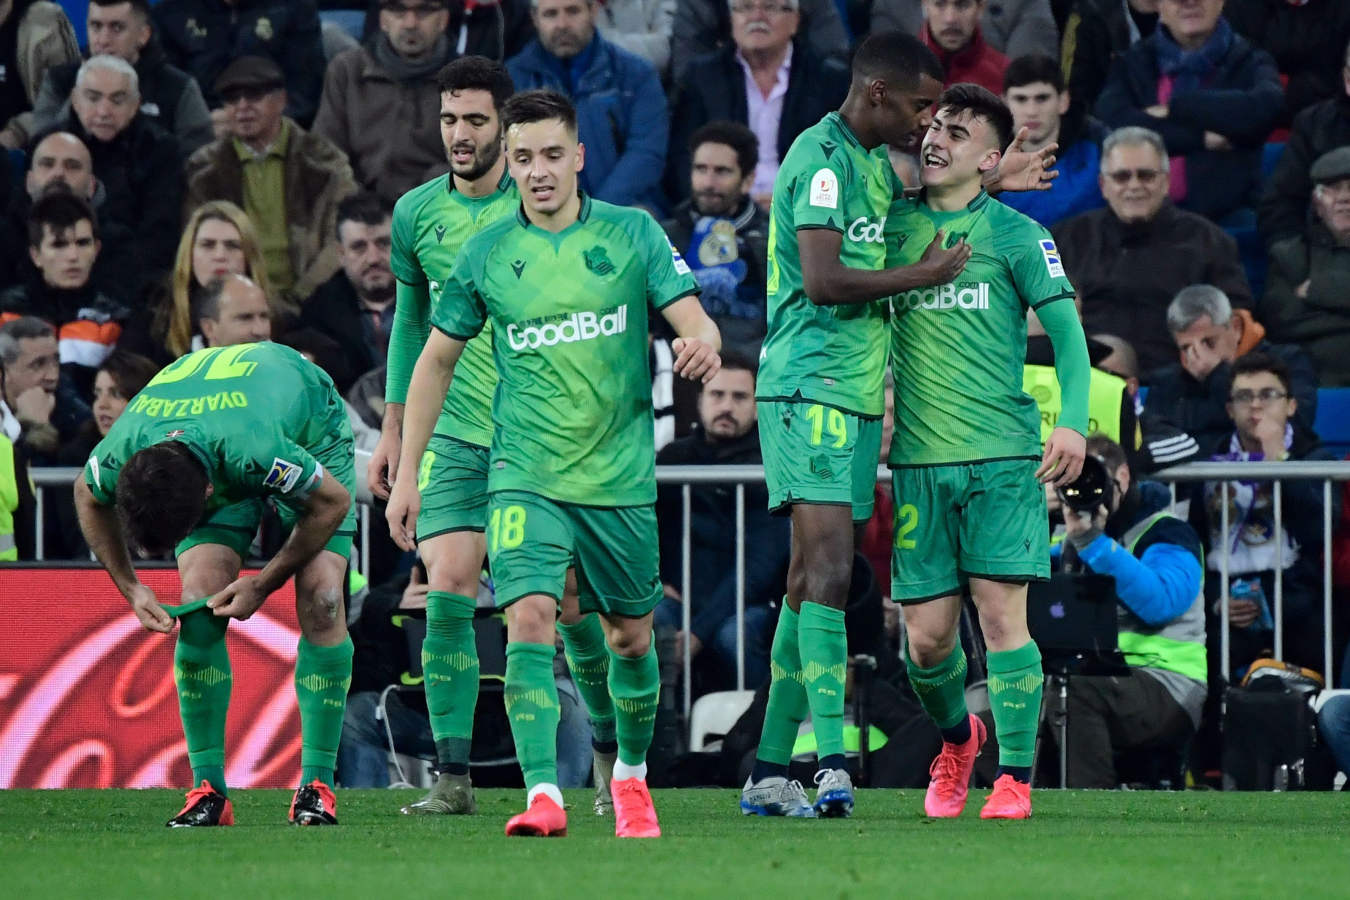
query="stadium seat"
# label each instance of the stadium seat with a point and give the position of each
(713, 715)
(1333, 419)
(1241, 225)
(1270, 156)
(352, 21)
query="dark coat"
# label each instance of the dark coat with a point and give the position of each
(335, 311)
(1319, 129)
(1240, 100)
(1307, 42)
(1319, 321)
(712, 88)
(1126, 275)
(497, 30)
(1096, 34)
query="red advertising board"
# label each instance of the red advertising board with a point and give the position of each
(87, 696)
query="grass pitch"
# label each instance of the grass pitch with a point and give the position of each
(112, 843)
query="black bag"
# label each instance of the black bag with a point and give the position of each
(1270, 740)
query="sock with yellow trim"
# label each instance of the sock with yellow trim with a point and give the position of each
(450, 670)
(1015, 684)
(201, 672)
(322, 677)
(531, 697)
(823, 645)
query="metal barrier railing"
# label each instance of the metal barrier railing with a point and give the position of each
(741, 475)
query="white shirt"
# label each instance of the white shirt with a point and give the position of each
(763, 115)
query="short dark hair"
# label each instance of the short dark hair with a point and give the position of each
(363, 207)
(735, 135)
(160, 496)
(740, 362)
(898, 57)
(1033, 68)
(131, 372)
(139, 7)
(1108, 451)
(327, 353)
(59, 210)
(539, 106)
(981, 103)
(477, 73)
(206, 303)
(1260, 361)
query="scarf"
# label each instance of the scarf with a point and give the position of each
(408, 70)
(1252, 541)
(1188, 68)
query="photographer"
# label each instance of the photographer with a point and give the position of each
(1118, 527)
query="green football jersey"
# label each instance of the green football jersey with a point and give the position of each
(834, 355)
(958, 349)
(431, 224)
(573, 408)
(255, 415)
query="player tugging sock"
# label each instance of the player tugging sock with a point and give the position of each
(588, 658)
(322, 677)
(823, 646)
(1015, 681)
(942, 692)
(531, 697)
(635, 685)
(787, 705)
(201, 670)
(450, 667)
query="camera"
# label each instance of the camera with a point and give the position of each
(1092, 488)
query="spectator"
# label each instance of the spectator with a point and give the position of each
(951, 29)
(1317, 130)
(1262, 407)
(1129, 259)
(202, 37)
(1307, 298)
(139, 166)
(1210, 337)
(765, 79)
(642, 27)
(1333, 723)
(1305, 38)
(233, 310)
(388, 87)
(288, 180)
(356, 306)
(1012, 27)
(63, 242)
(728, 434)
(34, 36)
(621, 109)
(723, 234)
(1034, 90)
(169, 96)
(498, 29)
(1155, 560)
(30, 375)
(704, 26)
(1210, 94)
(1096, 34)
(59, 156)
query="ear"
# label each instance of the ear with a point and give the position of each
(210, 489)
(33, 255)
(98, 248)
(1293, 405)
(748, 182)
(581, 157)
(990, 160)
(1064, 102)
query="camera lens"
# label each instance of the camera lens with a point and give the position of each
(1090, 489)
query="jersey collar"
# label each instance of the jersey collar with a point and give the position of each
(502, 183)
(974, 205)
(582, 214)
(841, 126)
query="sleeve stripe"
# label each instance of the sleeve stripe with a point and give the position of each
(836, 229)
(680, 296)
(402, 280)
(1066, 295)
(452, 335)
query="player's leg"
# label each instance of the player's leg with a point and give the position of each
(203, 679)
(583, 638)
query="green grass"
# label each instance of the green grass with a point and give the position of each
(1085, 844)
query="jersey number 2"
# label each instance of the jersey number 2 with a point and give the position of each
(507, 525)
(906, 520)
(225, 362)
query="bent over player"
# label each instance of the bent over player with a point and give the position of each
(187, 467)
(567, 283)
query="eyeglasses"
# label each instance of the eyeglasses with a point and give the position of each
(1122, 176)
(768, 9)
(1265, 395)
(251, 93)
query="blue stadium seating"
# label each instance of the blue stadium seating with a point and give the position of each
(77, 11)
(1333, 419)
(1270, 155)
(352, 21)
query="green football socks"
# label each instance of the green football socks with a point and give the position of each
(531, 697)
(942, 689)
(787, 705)
(823, 647)
(322, 677)
(1015, 682)
(588, 659)
(450, 670)
(635, 685)
(201, 670)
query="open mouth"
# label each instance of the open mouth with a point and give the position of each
(932, 160)
(542, 191)
(462, 155)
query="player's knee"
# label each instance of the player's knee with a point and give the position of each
(320, 611)
(452, 576)
(530, 620)
(630, 642)
(928, 646)
(826, 581)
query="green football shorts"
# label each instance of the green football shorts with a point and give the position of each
(452, 480)
(954, 522)
(532, 541)
(818, 454)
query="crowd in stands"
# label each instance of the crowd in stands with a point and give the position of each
(208, 172)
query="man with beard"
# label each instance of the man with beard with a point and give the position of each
(431, 223)
(356, 306)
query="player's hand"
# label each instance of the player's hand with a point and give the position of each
(401, 513)
(1062, 461)
(148, 611)
(943, 264)
(695, 359)
(1076, 523)
(383, 468)
(1024, 170)
(240, 599)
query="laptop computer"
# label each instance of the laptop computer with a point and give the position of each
(1072, 618)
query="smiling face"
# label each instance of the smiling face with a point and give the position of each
(958, 148)
(471, 132)
(66, 257)
(544, 159)
(1134, 182)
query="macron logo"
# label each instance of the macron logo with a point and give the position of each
(962, 295)
(579, 326)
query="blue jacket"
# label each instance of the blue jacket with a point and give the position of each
(621, 116)
(1074, 191)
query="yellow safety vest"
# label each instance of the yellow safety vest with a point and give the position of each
(1106, 394)
(9, 501)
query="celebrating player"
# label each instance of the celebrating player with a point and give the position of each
(966, 454)
(431, 224)
(566, 283)
(187, 468)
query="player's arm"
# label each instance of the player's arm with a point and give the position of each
(1064, 451)
(829, 282)
(103, 533)
(426, 395)
(696, 348)
(408, 335)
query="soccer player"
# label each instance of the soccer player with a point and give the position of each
(431, 224)
(566, 283)
(187, 467)
(966, 455)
